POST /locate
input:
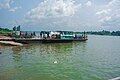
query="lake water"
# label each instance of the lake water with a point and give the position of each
(96, 59)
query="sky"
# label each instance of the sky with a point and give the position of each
(75, 15)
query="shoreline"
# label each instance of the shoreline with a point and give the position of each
(4, 40)
(10, 43)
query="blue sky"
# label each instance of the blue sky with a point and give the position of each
(76, 15)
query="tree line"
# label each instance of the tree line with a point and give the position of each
(112, 33)
(103, 32)
(4, 30)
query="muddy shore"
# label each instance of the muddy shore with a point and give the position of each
(12, 43)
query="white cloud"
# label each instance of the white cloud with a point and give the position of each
(7, 5)
(110, 13)
(56, 13)
(113, 2)
(101, 12)
(14, 9)
(88, 4)
(106, 18)
(53, 8)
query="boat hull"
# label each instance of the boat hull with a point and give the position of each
(47, 40)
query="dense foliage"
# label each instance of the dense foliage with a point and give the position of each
(4, 30)
(113, 33)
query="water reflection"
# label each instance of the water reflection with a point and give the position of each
(60, 60)
(56, 50)
(16, 53)
(48, 48)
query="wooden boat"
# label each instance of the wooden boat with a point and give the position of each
(30, 40)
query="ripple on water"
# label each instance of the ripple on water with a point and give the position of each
(96, 59)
